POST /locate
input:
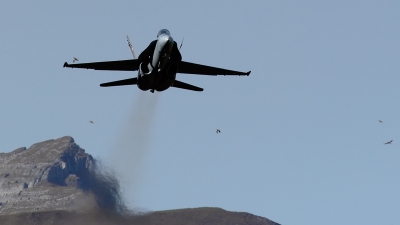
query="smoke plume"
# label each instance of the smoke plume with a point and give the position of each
(134, 141)
(101, 183)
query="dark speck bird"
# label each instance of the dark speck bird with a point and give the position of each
(389, 142)
(90, 121)
(74, 60)
(218, 131)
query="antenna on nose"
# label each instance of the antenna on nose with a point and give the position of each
(131, 47)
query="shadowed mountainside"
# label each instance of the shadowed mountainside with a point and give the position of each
(194, 216)
(56, 182)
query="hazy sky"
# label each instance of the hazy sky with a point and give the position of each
(300, 140)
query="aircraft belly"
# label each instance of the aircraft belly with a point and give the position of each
(156, 81)
(163, 82)
(146, 82)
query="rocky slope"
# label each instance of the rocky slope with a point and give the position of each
(56, 182)
(42, 177)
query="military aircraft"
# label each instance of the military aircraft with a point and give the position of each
(157, 67)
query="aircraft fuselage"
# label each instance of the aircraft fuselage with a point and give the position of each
(155, 74)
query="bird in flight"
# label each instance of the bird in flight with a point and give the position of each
(389, 142)
(380, 121)
(74, 60)
(90, 121)
(218, 131)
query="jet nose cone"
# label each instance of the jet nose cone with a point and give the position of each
(164, 39)
(165, 42)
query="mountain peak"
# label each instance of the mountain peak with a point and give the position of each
(24, 174)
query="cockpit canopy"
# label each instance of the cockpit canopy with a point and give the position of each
(163, 31)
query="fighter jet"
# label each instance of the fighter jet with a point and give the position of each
(389, 142)
(218, 131)
(74, 60)
(157, 67)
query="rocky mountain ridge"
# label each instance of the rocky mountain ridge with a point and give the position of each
(56, 182)
(26, 176)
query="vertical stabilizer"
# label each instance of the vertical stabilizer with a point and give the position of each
(131, 47)
(181, 44)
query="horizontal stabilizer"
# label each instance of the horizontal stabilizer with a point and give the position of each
(179, 84)
(130, 81)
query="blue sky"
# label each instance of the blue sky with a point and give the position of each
(300, 142)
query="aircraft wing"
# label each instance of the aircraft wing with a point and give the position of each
(192, 68)
(121, 65)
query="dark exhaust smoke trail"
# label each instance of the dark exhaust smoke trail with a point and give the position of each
(133, 142)
(104, 187)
